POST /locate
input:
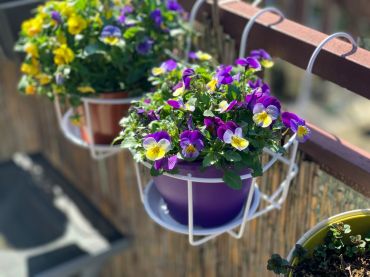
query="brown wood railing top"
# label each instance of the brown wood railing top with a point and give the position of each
(295, 44)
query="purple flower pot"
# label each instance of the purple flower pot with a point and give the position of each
(214, 204)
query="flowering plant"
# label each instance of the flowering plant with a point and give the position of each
(79, 47)
(222, 118)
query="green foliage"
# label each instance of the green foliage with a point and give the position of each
(333, 257)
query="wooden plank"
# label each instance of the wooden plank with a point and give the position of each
(295, 43)
(340, 158)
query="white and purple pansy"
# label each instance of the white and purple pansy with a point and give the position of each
(249, 63)
(191, 142)
(224, 106)
(236, 139)
(157, 145)
(165, 67)
(111, 35)
(264, 116)
(179, 104)
(297, 125)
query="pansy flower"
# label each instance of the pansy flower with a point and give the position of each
(180, 88)
(167, 163)
(222, 77)
(56, 16)
(260, 85)
(157, 145)
(199, 55)
(156, 16)
(111, 35)
(173, 5)
(235, 138)
(249, 63)
(179, 104)
(264, 116)
(166, 66)
(224, 106)
(123, 15)
(191, 143)
(229, 125)
(145, 46)
(263, 57)
(297, 125)
(212, 124)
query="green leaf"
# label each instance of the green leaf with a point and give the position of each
(209, 159)
(232, 179)
(232, 156)
(208, 113)
(132, 31)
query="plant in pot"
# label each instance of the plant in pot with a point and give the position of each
(339, 246)
(99, 48)
(210, 124)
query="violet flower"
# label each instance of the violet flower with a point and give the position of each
(165, 67)
(186, 77)
(259, 84)
(263, 57)
(191, 143)
(297, 125)
(235, 138)
(249, 63)
(224, 106)
(179, 104)
(167, 164)
(156, 145)
(124, 11)
(223, 75)
(144, 47)
(265, 115)
(229, 125)
(156, 16)
(56, 16)
(173, 5)
(111, 34)
(212, 124)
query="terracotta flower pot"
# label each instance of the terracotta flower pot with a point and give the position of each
(214, 204)
(105, 119)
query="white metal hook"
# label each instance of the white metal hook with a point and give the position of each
(249, 25)
(305, 92)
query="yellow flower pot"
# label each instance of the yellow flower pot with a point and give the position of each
(359, 220)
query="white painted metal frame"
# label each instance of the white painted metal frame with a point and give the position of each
(72, 133)
(305, 92)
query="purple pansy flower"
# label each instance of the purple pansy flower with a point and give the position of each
(159, 135)
(186, 77)
(111, 34)
(166, 66)
(56, 17)
(124, 11)
(229, 125)
(297, 125)
(223, 75)
(173, 5)
(190, 122)
(249, 63)
(193, 55)
(156, 16)
(147, 101)
(167, 164)
(259, 84)
(212, 124)
(179, 104)
(265, 115)
(267, 100)
(191, 143)
(152, 116)
(144, 47)
(224, 106)
(264, 57)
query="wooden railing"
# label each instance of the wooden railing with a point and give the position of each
(295, 44)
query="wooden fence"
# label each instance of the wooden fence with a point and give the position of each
(30, 125)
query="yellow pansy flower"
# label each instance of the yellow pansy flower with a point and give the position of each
(76, 24)
(267, 63)
(65, 9)
(156, 71)
(63, 55)
(236, 139)
(179, 91)
(86, 89)
(61, 38)
(156, 150)
(203, 56)
(31, 49)
(212, 85)
(44, 79)
(32, 26)
(31, 69)
(30, 90)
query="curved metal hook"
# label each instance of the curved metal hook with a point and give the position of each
(248, 27)
(305, 91)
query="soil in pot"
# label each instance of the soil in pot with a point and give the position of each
(105, 119)
(214, 204)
